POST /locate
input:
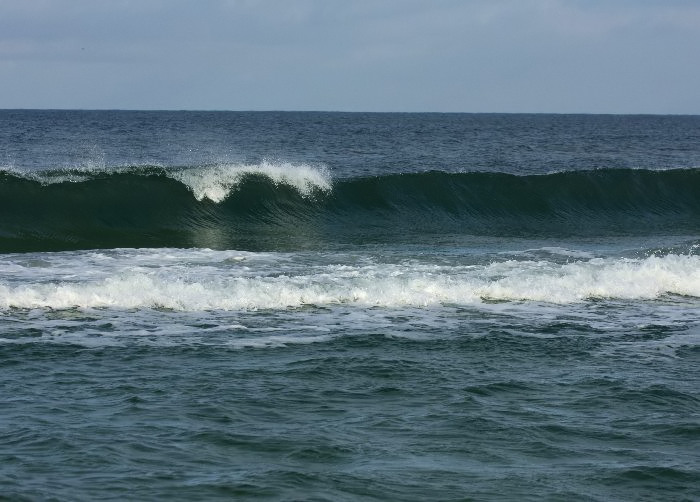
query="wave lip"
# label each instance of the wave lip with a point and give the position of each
(217, 182)
(213, 182)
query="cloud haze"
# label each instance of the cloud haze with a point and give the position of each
(618, 56)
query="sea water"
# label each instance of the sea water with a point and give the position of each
(333, 306)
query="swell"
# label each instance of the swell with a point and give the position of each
(261, 209)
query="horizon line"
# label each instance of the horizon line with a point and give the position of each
(215, 110)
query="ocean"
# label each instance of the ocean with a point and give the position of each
(349, 306)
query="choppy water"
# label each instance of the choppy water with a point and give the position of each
(327, 306)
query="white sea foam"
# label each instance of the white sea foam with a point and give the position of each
(217, 182)
(597, 278)
(201, 280)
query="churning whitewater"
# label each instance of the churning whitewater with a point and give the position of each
(210, 280)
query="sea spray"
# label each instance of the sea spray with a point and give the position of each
(217, 182)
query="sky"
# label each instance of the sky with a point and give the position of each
(545, 56)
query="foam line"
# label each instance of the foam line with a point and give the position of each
(250, 287)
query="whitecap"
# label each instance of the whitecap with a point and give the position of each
(217, 182)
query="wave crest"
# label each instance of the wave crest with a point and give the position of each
(217, 182)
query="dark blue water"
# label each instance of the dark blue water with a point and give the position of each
(331, 306)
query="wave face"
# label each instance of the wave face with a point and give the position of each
(283, 206)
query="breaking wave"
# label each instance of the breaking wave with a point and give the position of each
(280, 205)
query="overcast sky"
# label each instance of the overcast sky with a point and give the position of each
(591, 56)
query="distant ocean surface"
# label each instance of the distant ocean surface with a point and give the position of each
(349, 306)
